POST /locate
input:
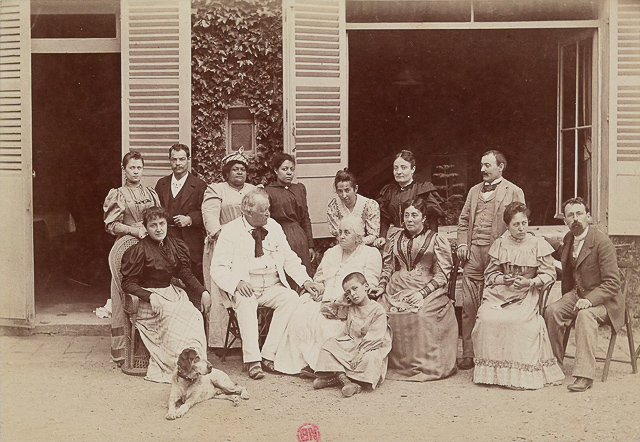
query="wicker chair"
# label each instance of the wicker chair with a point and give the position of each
(136, 355)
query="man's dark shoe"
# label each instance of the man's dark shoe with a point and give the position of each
(326, 381)
(268, 366)
(466, 364)
(580, 384)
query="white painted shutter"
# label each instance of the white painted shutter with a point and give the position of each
(156, 80)
(624, 118)
(16, 222)
(316, 98)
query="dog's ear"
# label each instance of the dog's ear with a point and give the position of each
(185, 361)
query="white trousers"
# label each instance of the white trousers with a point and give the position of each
(283, 300)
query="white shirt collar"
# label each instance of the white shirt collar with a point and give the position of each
(496, 181)
(580, 238)
(178, 182)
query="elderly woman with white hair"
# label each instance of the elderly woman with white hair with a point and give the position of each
(308, 328)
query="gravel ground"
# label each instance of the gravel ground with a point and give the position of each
(64, 388)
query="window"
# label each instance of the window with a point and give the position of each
(575, 160)
(241, 130)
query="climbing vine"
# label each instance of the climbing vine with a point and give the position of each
(236, 53)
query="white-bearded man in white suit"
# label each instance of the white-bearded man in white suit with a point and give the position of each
(251, 261)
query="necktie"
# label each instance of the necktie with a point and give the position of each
(259, 235)
(489, 187)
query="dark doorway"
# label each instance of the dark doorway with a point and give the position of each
(449, 95)
(76, 156)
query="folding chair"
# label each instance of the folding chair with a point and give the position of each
(264, 316)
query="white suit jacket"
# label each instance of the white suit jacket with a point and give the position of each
(236, 247)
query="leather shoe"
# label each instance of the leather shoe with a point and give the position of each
(466, 364)
(268, 366)
(326, 381)
(580, 384)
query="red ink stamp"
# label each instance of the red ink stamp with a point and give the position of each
(308, 432)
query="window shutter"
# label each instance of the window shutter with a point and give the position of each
(16, 222)
(624, 118)
(156, 80)
(316, 100)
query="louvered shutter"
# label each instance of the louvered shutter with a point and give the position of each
(316, 99)
(16, 222)
(624, 118)
(156, 80)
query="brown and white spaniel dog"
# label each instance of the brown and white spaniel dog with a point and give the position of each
(195, 380)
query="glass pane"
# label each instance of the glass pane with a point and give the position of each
(584, 83)
(568, 106)
(584, 164)
(568, 165)
(539, 10)
(73, 26)
(241, 135)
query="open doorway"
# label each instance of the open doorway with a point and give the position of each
(449, 95)
(76, 155)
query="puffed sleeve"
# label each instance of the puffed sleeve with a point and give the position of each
(387, 260)
(132, 266)
(371, 221)
(114, 208)
(442, 264)
(194, 288)
(211, 206)
(333, 217)
(546, 271)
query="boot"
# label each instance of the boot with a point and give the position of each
(325, 381)
(348, 388)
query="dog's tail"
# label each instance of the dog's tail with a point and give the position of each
(243, 394)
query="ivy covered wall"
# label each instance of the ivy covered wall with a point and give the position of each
(236, 60)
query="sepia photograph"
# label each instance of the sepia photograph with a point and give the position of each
(305, 220)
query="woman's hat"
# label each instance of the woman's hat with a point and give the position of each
(236, 156)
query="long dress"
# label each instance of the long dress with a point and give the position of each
(361, 350)
(425, 339)
(391, 198)
(221, 204)
(123, 209)
(289, 208)
(308, 328)
(511, 344)
(365, 209)
(148, 267)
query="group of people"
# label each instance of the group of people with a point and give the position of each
(377, 306)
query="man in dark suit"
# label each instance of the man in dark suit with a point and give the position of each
(479, 225)
(590, 292)
(181, 194)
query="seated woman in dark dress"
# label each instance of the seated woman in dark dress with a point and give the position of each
(168, 320)
(416, 266)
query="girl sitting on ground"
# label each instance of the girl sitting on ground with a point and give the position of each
(360, 354)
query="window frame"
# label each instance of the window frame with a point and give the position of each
(594, 180)
(235, 121)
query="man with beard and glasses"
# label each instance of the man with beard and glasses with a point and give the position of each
(480, 223)
(590, 292)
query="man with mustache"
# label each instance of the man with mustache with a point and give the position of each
(479, 225)
(590, 292)
(181, 193)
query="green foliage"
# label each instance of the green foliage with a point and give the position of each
(236, 59)
(451, 191)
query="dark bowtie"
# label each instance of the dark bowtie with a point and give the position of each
(489, 187)
(259, 235)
